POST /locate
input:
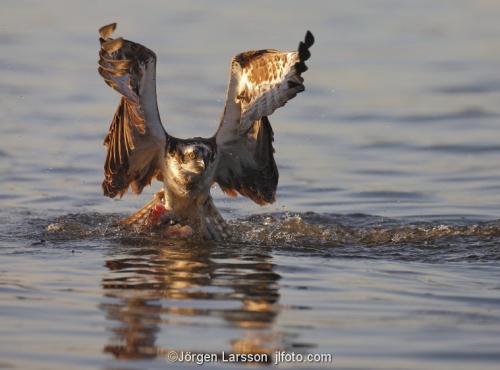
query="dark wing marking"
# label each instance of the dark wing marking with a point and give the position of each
(260, 82)
(136, 139)
(247, 164)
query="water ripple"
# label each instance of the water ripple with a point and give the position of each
(464, 114)
(453, 238)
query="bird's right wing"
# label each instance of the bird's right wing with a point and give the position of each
(136, 139)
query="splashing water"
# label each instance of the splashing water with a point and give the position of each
(353, 236)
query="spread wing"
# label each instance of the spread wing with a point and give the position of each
(260, 82)
(136, 139)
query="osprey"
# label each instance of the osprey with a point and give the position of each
(239, 157)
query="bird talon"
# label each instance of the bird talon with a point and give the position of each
(178, 231)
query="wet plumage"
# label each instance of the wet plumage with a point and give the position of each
(239, 157)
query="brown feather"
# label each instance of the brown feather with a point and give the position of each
(134, 142)
(107, 30)
(268, 79)
(117, 176)
(261, 81)
(256, 178)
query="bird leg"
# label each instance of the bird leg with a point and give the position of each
(154, 215)
(215, 226)
(142, 216)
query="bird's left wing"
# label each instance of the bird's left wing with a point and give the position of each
(260, 82)
(136, 139)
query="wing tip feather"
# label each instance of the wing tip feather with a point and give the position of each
(304, 53)
(112, 45)
(309, 39)
(107, 30)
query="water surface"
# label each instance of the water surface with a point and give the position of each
(382, 248)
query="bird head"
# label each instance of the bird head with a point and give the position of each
(190, 160)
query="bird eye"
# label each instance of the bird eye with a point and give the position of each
(191, 155)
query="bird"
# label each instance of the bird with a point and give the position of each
(239, 157)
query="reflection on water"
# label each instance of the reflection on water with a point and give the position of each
(205, 287)
(377, 293)
(399, 118)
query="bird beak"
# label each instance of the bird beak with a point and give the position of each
(202, 163)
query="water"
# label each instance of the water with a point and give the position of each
(382, 248)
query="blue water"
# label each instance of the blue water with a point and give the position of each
(382, 248)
